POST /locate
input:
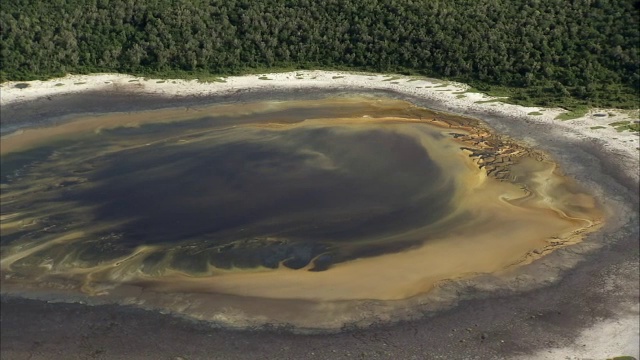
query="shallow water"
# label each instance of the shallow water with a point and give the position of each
(340, 199)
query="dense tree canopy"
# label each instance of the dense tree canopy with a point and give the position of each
(548, 51)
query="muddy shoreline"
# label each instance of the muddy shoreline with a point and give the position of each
(498, 324)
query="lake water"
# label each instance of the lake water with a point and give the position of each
(329, 200)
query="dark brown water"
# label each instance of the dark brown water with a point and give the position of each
(233, 197)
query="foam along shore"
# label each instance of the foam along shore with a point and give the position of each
(598, 124)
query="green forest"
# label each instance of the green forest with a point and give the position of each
(546, 52)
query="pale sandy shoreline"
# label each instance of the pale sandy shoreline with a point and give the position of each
(594, 125)
(623, 144)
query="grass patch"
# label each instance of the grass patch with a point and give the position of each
(536, 113)
(59, 84)
(411, 80)
(134, 80)
(503, 93)
(337, 77)
(395, 82)
(393, 78)
(474, 91)
(622, 358)
(621, 126)
(574, 113)
(80, 83)
(618, 123)
(544, 95)
(460, 96)
(499, 92)
(161, 81)
(21, 86)
(597, 127)
(459, 92)
(264, 77)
